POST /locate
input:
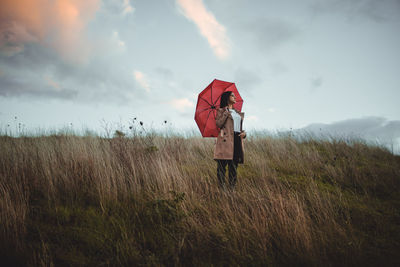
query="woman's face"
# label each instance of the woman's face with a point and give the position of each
(232, 98)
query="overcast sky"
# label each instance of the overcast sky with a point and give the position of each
(332, 64)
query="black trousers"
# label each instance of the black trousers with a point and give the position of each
(221, 169)
(232, 164)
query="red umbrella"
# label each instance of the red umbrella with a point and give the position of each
(208, 104)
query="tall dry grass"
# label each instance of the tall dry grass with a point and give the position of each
(124, 201)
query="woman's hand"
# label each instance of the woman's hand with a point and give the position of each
(242, 134)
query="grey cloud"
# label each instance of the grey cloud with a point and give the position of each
(370, 128)
(26, 65)
(99, 80)
(33, 56)
(269, 33)
(316, 82)
(167, 85)
(164, 72)
(247, 80)
(278, 68)
(16, 88)
(113, 8)
(187, 114)
(378, 11)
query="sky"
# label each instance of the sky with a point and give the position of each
(330, 65)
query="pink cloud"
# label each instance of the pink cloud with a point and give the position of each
(57, 24)
(142, 80)
(209, 27)
(181, 104)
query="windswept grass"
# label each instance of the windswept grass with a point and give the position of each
(154, 200)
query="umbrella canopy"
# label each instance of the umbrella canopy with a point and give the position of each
(208, 104)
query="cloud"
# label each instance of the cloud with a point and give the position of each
(103, 79)
(116, 10)
(141, 79)
(252, 118)
(371, 128)
(270, 33)
(166, 73)
(164, 80)
(66, 49)
(247, 79)
(127, 8)
(53, 83)
(57, 24)
(181, 104)
(209, 27)
(278, 68)
(49, 89)
(271, 109)
(316, 82)
(377, 11)
(117, 40)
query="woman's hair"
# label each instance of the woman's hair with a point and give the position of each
(225, 99)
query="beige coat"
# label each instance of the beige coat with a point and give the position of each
(223, 148)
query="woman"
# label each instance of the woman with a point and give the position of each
(229, 148)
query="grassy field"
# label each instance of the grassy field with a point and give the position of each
(154, 201)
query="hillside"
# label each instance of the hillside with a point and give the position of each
(73, 200)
